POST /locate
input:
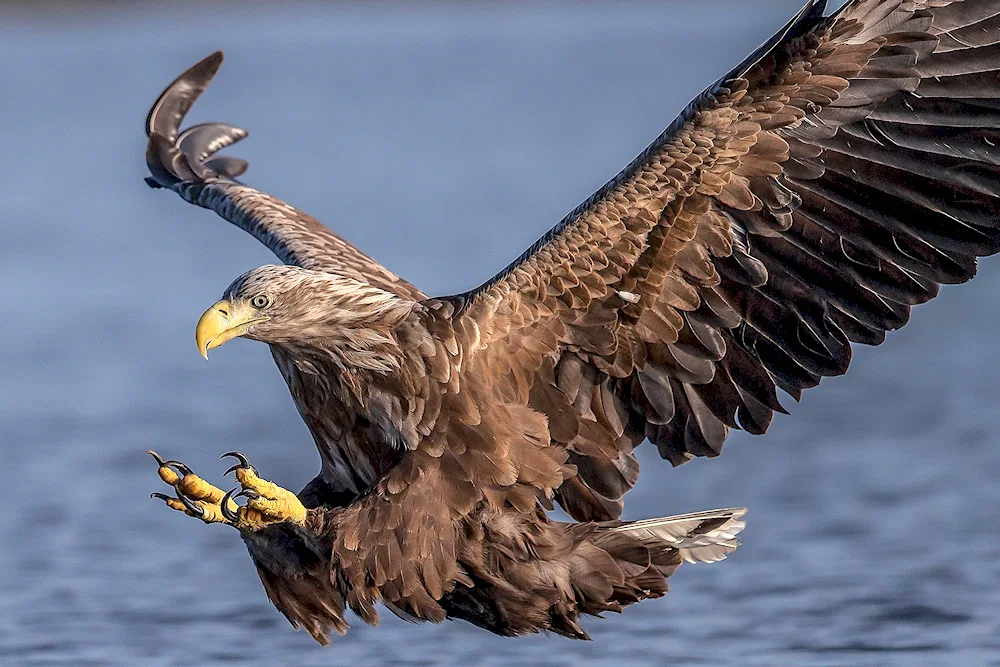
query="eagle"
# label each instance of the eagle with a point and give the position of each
(803, 202)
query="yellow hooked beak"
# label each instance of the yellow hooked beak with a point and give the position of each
(223, 322)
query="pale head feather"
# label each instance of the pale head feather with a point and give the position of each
(314, 312)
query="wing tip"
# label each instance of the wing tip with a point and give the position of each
(174, 156)
(180, 95)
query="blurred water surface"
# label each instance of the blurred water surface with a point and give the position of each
(443, 139)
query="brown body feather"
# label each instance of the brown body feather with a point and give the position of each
(803, 203)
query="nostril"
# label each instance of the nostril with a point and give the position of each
(224, 312)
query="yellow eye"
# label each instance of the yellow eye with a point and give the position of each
(260, 301)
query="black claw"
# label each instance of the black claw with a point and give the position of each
(161, 496)
(179, 467)
(197, 510)
(249, 494)
(176, 465)
(231, 516)
(244, 462)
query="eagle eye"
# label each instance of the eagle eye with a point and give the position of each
(260, 301)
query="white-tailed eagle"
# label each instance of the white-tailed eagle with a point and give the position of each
(802, 203)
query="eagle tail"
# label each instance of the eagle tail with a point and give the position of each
(624, 562)
(701, 537)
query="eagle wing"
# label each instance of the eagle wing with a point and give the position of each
(186, 162)
(805, 201)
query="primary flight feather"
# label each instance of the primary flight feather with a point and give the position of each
(802, 203)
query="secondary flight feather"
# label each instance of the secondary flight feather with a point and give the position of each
(802, 203)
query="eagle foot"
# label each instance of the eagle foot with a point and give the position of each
(192, 495)
(267, 503)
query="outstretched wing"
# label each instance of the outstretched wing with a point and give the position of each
(804, 202)
(187, 163)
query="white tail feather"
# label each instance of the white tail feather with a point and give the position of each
(687, 533)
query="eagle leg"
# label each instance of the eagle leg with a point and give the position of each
(193, 495)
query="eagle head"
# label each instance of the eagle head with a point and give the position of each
(299, 308)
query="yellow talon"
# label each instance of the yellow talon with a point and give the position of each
(195, 487)
(281, 509)
(213, 514)
(272, 501)
(266, 501)
(195, 497)
(166, 473)
(172, 503)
